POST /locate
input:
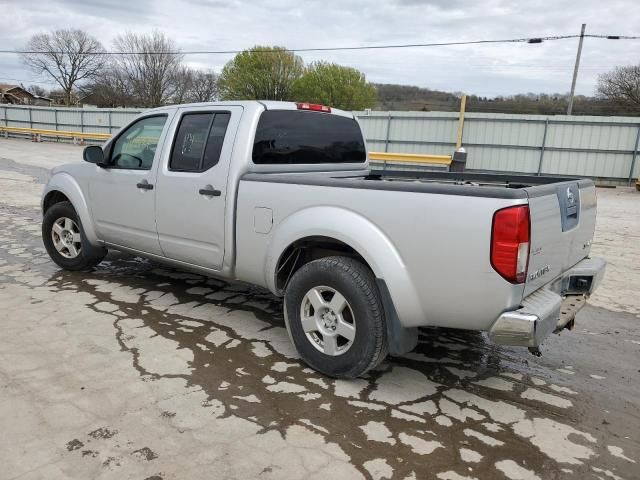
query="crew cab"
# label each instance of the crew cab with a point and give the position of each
(281, 195)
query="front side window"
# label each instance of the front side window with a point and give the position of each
(300, 137)
(199, 141)
(136, 146)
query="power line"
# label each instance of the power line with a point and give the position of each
(533, 40)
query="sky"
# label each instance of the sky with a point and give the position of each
(486, 70)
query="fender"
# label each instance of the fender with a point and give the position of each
(66, 184)
(365, 238)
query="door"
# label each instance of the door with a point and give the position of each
(192, 185)
(122, 194)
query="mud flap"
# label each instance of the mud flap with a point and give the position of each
(401, 340)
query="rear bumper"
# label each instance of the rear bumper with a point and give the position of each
(549, 308)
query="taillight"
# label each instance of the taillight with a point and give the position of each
(313, 107)
(510, 243)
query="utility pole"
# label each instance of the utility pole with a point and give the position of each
(575, 70)
(463, 106)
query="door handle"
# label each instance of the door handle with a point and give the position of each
(209, 191)
(145, 185)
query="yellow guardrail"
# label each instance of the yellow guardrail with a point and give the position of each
(410, 158)
(55, 133)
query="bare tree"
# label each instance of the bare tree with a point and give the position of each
(195, 86)
(150, 63)
(204, 87)
(182, 83)
(110, 89)
(621, 85)
(37, 90)
(68, 56)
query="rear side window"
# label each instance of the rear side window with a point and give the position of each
(298, 137)
(215, 141)
(199, 141)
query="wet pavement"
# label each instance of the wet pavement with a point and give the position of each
(136, 370)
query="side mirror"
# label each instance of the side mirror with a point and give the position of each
(93, 154)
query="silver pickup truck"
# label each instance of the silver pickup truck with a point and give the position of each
(281, 195)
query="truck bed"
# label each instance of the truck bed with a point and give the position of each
(443, 183)
(443, 239)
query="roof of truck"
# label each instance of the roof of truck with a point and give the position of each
(266, 104)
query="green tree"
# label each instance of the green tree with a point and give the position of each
(335, 85)
(260, 73)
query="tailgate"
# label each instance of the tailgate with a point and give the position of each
(563, 217)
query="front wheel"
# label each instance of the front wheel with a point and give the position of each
(335, 317)
(65, 240)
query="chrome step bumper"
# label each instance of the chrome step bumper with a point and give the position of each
(549, 308)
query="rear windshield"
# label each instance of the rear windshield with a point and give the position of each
(298, 137)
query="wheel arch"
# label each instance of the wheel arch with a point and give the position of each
(345, 233)
(306, 249)
(51, 198)
(62, 187)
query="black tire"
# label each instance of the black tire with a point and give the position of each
(88, 255)
(357, 285)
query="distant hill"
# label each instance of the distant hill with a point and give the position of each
(407, 97)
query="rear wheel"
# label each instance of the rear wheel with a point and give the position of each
(335, 317)
(65, 240)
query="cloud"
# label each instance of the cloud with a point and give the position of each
(485, 70)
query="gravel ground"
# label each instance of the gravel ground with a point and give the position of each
(139, 371)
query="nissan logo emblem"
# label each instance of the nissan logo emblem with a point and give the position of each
(570, 197)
